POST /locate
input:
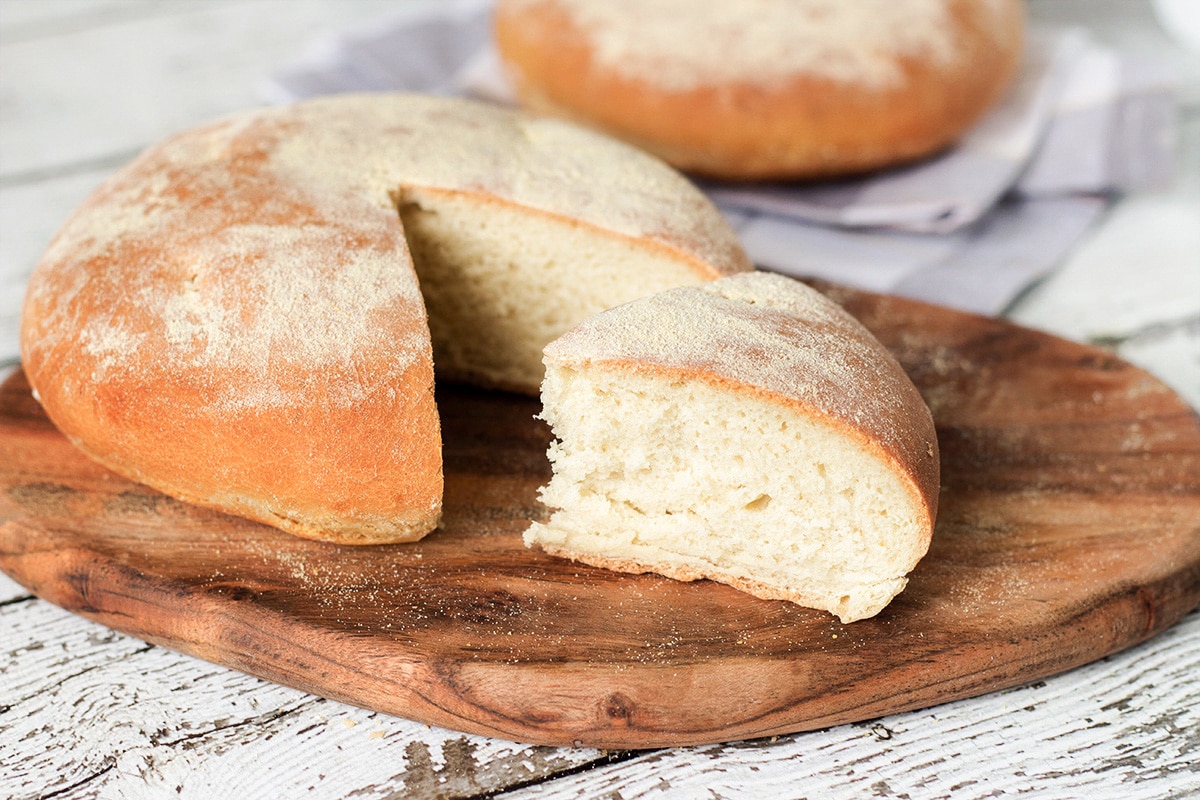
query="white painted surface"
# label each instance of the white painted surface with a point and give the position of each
(86, 712)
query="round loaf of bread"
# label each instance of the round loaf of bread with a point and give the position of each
(765, 89)
(747, 430)
(234, 317)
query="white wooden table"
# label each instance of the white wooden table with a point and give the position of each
(87, 712)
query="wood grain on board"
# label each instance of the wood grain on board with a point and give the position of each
(1069, 528)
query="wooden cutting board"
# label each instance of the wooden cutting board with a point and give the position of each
(1069, 529)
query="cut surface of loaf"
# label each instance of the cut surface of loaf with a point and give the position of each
(501, 281)
(748, 431)
(234, 318)
(765, 89)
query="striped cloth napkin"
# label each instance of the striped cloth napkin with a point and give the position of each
(970, 229)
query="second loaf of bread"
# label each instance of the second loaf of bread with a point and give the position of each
(766, 89)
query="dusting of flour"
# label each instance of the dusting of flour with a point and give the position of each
(260, 258)
(681, 44)
(765, 334)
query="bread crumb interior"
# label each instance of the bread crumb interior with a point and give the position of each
(691, 480)
(501, 281)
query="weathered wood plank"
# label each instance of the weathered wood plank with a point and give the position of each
(27, 19)
(1124, 727)
(147, 70)
(108, 715)
(133, 723)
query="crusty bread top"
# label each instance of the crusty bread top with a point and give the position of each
(765, 89)
(380, 142)
(777, 338)
(297, 191)
(234, 317)
(680, 45)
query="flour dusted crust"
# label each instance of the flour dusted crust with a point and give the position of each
(747, 430)
(234, 318)
(766, 89)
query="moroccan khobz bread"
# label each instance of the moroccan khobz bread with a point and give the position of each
(746, 430)
(234, 317)
(765, 89)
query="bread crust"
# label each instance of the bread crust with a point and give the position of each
(288, 408)
(234, 318)
(802, 126)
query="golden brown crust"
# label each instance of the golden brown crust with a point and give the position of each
(805, 126)
(285, 409)
(234, 318)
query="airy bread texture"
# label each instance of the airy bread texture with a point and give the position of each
(234, 317)
(748, 431)
(765, 89)
(500, 281)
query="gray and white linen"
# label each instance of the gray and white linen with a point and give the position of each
(971, 228)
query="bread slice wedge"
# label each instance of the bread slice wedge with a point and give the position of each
(747, 431)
